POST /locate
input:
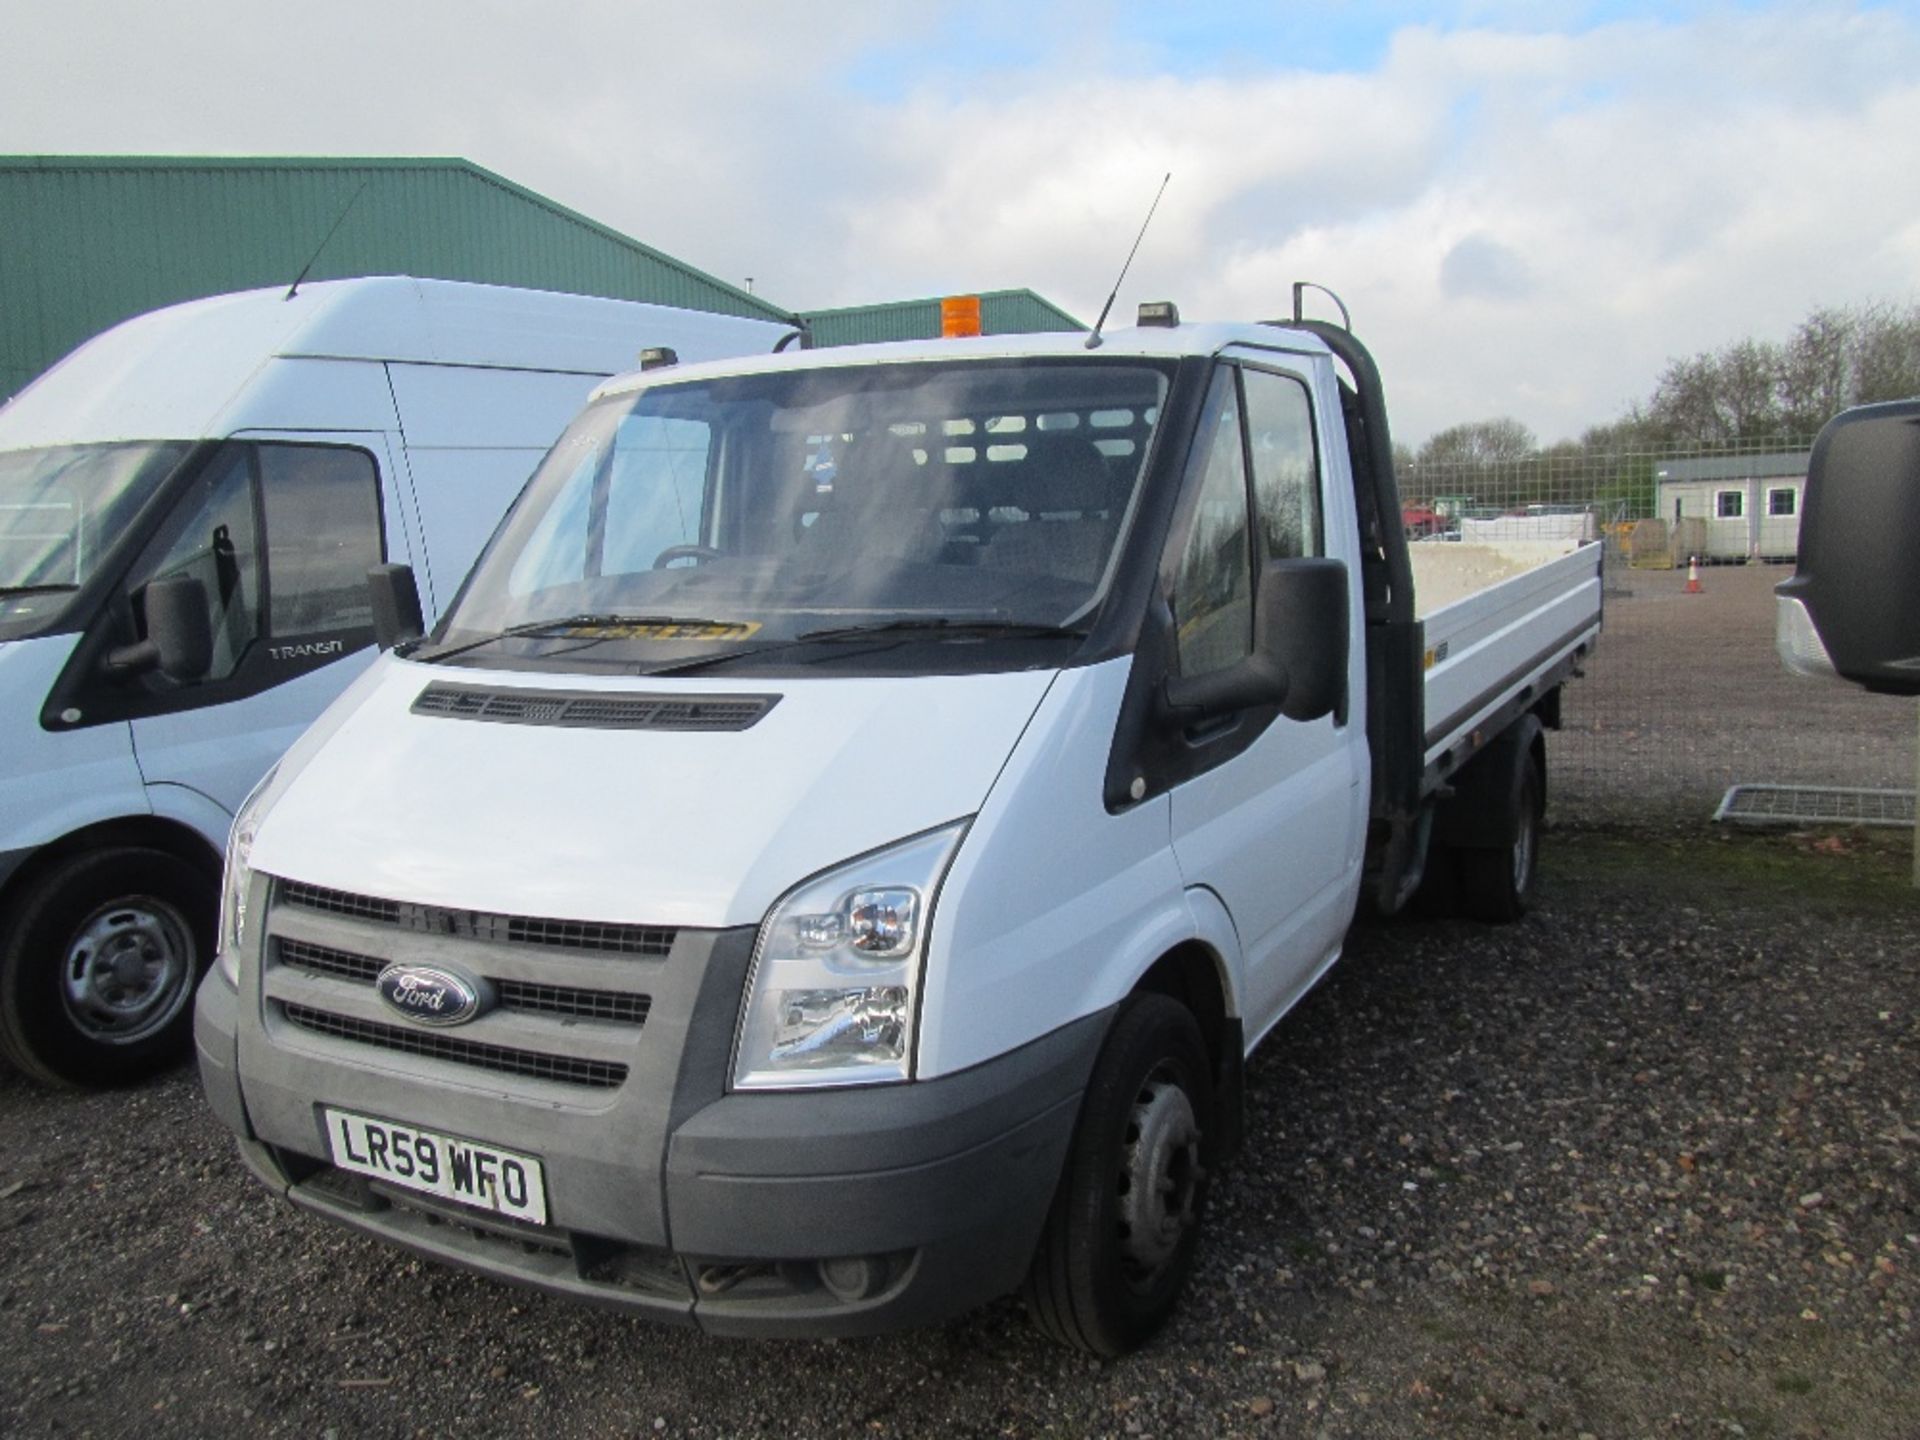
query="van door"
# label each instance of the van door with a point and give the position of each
(281, 531)
(1272, 820)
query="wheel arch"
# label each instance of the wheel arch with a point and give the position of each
(1194, 974)
(148, 832)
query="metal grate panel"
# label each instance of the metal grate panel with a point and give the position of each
(575, 1002)
(594, 709)
(1815, 805)
(565, 1069)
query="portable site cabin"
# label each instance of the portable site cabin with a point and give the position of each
(1747, 505)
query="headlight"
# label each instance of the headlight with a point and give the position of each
(237, 881)
(836, 971)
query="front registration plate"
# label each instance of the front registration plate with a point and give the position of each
(484, 1176)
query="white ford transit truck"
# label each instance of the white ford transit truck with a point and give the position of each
(830, 863)
(236, 464)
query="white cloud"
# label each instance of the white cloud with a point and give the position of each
(1523, 222)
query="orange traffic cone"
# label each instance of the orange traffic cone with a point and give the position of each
(1693, 575)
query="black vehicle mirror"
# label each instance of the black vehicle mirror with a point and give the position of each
(397, 617)
(1299, 659)
(1852, 607)
(179, 641)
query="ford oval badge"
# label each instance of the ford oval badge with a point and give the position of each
(433, 994)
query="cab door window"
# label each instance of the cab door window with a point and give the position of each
(281, 537)
(1213, 587)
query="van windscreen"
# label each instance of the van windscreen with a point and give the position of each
(765, 511)
(61, 507)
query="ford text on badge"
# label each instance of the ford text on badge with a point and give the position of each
(503, 1181)
(433, 994)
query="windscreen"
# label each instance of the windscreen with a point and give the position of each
(61, 507)
(759, 510)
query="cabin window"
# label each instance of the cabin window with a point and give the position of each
(1782, 501)
(1730, 504)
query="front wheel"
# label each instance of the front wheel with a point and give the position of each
(1119, 1241)
(98, 967)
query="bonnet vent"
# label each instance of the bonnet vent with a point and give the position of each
(594, 709)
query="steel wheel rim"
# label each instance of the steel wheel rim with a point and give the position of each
(127, 970)
(1159, 1180)
(1524, 844)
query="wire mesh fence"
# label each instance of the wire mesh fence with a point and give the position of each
(1684, 696)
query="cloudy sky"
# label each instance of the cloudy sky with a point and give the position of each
(1529, 207)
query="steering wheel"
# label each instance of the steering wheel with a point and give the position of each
(684, 552)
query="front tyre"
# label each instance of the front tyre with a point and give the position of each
(99, 964)
(1119, 1241)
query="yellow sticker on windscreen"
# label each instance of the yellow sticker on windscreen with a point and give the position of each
(655, 630)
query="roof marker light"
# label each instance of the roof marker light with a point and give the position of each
(658, 357)
(1162, 313)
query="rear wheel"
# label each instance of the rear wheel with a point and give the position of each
(98, 967)
(1119, 1242)
(1496, 883)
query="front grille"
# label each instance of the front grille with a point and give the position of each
(649, 940)
(594, 709)
(565, 1069)
(573, 1001)
(324, 960)
(580, 1004)
(338, 902)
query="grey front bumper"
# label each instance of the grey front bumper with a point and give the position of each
(816, 1213)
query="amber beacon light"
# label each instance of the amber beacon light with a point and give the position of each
(959, 316)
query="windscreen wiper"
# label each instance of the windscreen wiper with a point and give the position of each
(942, 627)
(582, 622)
(946, 627)
(35, 589)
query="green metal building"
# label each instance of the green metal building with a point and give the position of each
(86, 242)
(1002, 312)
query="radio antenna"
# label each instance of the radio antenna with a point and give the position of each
(329, 236)
(1093, 340)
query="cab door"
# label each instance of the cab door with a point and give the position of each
(280, 530)
(1271, 818)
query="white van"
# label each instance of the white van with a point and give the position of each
(831, 862)
(259, 452)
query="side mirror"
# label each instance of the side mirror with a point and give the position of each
(179, 641)
(1299, 659)
(1852, 607)
(397, 616)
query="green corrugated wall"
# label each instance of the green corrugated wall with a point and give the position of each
(1002, 312)
(86, 242)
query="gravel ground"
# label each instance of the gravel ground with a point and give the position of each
(1646, 1163)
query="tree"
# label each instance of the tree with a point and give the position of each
(1479, 442)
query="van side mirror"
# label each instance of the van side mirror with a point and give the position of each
(1852, 607)
(1299, 659)
(179, 641)
(397, 616)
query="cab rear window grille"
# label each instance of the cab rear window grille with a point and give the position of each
(565, 1069)
(594, 709)
(652, 940)
(573, 1001)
